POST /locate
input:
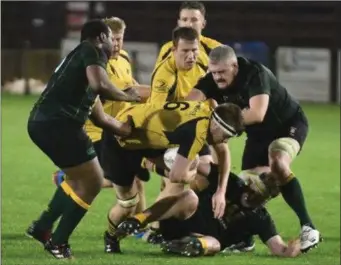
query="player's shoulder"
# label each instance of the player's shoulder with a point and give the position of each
(165, 50)
(125, 55)
(165, 67)
(209, 42)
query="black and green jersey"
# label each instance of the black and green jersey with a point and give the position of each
(67, 94)
(254, 79)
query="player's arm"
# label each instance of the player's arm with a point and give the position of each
(100, 82)
(259, 98)
(94, 62)
(264, 226)
(143, 90)
(105, 121)
(162, 83)
(279, 248)
(183, 169)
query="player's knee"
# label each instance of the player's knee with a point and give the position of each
(128, 205)
(189, 201)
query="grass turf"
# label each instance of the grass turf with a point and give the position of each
(27, 188)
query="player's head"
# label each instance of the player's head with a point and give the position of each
(226, 122)
(99, 33)
(185, 47)
(117, 27)
(259, 189)
(192, 14)
(223, 65)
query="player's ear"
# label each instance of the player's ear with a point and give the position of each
(204, 23)
(102, 37)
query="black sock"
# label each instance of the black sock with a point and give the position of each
(54, 210)
(72, 215)
(293, 195)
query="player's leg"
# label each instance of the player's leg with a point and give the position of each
(115, 160)
(76, 156)
(141, 190)
(282, 152)
(180, 206)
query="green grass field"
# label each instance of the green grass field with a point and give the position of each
(27, 187)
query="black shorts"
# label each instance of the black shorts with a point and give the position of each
(64, 142)
(201, 222)
(122, 165)
(256, 148)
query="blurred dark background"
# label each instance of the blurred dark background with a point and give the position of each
(39, 27)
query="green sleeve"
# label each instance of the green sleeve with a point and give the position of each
(259, 83)
(91, 55)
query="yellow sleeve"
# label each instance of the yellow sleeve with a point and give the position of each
(194, 139)
(111, 71)
(162, 82)
(165, 50)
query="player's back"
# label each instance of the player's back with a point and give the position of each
(205, 46)
(67, 94)
(163, 125)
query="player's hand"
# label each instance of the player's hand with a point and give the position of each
(294, 248)
(133, 94)
(125, 128)
(218, 204)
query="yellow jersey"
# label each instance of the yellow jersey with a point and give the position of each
(164, 125)
(170, 84)
(120, 74)
(205, 46)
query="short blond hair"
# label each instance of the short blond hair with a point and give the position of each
(116, 24)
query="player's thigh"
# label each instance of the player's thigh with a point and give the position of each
(292, 139)
(87, 172)
(120, 165)
(65, 143)
(256, 153)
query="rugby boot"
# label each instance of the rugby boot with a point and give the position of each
(189, 247)
(111, 244)
(62, 251)
(310, 238)
(37, 233)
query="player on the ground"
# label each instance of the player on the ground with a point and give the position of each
(158, 126)
(276, 125)
(120, 74)
(190, 229)
(192, 15)
(55, 125)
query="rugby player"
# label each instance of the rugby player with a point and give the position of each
(276, 125)
(158, 126)
(191, 14)
(55, 125)
(120, 74)
(189, 227)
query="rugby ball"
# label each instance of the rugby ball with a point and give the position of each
(170, 155)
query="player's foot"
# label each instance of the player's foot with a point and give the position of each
(58, 177)
(62, 251)
(244, 246)
(189, 247)
(153, 236)
(111, 244)
(128, 227)
(37, 233)
(309, 238)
